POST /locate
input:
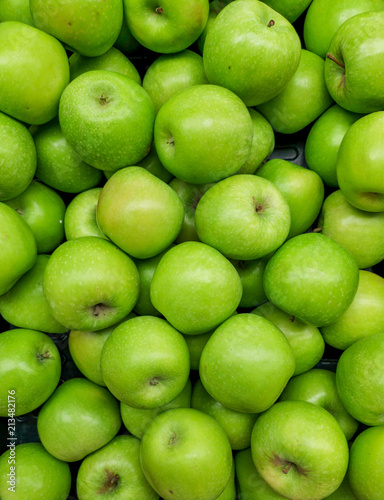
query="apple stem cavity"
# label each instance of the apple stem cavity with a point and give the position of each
(111, 482)
(154, 381)
(159, 10)
(104, 100)
(333, 58)
(98, 309)
(41, 356)
(292, 318)
(271, 23)
(172, 440)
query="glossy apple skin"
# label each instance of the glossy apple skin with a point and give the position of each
(324, 139)
(139, 212)
(305, 340)
(245, 217)
(24, 305)
(90, 27)
(246, 55)
(79, 418)
(303, 99)
(80, 215)
(107, 118)
(31, 366)
(39, 474)
(16, 148)
(364, 317)
(291, 10)
(365, 472)
(43, 210)
(302, 189)
(145, 362)
(195, 287)
(16, 10)
(360, 232)
(170, 73)
(58, 165)
(324, 17)
(90, 284)
(358, 45)
(138, 420)
(363, 188)
(28, 54)
(116, 466)
(18, 248)
(203, 134)
(304, 272)
(112, 60)
(246, 363)
(169, 27)
(186, 452)
(307, 437)
(359, 379)
(237, 426)
(318, 386)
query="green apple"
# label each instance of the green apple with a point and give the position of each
(252, 50)
(245, 217)
(312, 278)
(229, 492)
(90, 284)
(16, 149)
(58, 165)
(324, 139)
(107, 118)
(186, 454)
(30, 55)
(251, 274)
(355, 57)
(80, 216)
(360, 232)
(90, 27)
(324, 17)
(17, 249)
(246, 363)
(80, 417)
(302, 189)
(86, 347)
(263, 143)
(152, 163)
(126, 41)
(196, 344)
(24, 305)
(139, 212)
(36, 474)
(343, 492)
(365, 471)
(138, 420)
(364, 317)
(360, 381)
(237, 425)
(114, 470)
(167, 26)
(195, 287)
(43, 210)
(203, 134)
(145, 362)
(30, 370)
(303, 99)
(300, 450)
(318, 386)
(16, 10)
(290, 9)
(360, 163)
(190, 195)
(305, 340)
(170, 73)
(112, 60)
(215, 6)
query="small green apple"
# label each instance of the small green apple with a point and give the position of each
(126, 41)
(318, 386)
(152, 163)
(90, 27)
(30, 55)
(30, 370)
(290, 9)
(196, 344)
(246, 363)
(195, 287)
(251, 274)
(80, 216)
(16, 149)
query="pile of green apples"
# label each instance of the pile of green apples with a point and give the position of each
(199, 278)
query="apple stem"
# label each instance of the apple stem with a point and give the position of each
(333, 58)
(41, 356)
(292, 319)
(287, 468)
(317, 230)
(159, 10)
(271, 23)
